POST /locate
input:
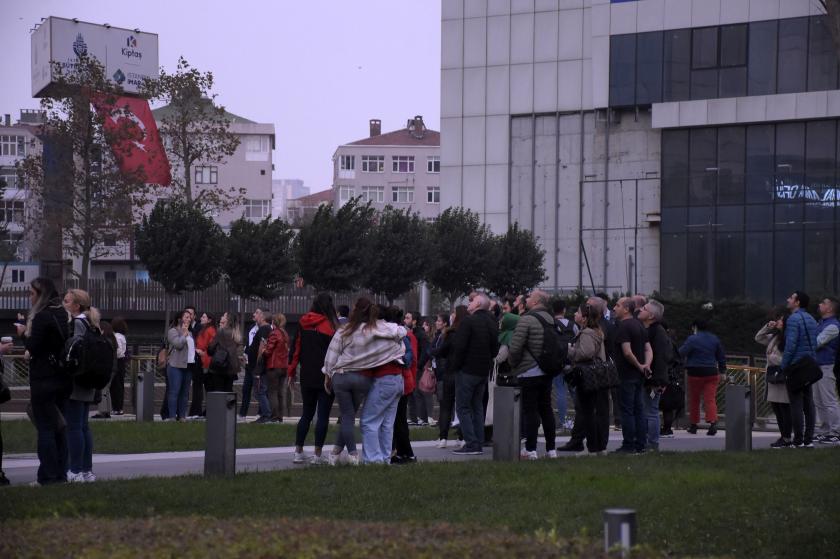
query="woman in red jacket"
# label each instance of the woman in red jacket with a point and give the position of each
(202, 342)
(315, 331)
(276, 355)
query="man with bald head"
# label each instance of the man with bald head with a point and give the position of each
(634, 357)
(476, 344)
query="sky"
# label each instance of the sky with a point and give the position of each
(319, 70)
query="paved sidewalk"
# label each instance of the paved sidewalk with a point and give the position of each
(21, 469)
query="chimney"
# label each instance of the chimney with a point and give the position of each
(7, 120)
(375, 127)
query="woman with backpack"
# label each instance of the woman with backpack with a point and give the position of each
(44, 334)
(181, 352)
(226, 355)
(315, 331)
(79, 437)
(772, 336)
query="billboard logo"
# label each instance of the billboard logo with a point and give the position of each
(131, 41)
(119, 77)
(79, 46)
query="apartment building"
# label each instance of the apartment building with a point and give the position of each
(399, 168)
(683, 146)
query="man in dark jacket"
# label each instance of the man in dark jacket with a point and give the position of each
(651, 316)
(259, 332)
(476, 344)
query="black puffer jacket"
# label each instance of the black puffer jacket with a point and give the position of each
(476, 344)
(50, 328)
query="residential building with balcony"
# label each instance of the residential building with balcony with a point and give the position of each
(399, 168)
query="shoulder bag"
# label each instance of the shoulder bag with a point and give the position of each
(804, 372)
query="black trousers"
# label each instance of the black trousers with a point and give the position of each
(536, 408)
(447, 405)
(594, 408)
(783, 418)
(117, 388)
(197, 373)
(802, 415)
(578, 427)
(402, 438)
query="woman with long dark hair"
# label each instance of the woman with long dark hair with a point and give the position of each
(594, 406)
(229, 339)
(440, 325)
(444, 351)
(205, 335)
(315, 331)
(363, 343)
(47, 327)
(181, 344)
(772, 336)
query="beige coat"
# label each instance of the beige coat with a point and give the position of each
(587, 346)
(776, 393)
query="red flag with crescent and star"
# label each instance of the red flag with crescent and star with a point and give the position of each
(134, 138)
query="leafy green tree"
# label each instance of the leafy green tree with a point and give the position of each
(258, 261)
(399, 253)
(331, 251)
(516, 262)
(460, 244)
(195, 131)
(182, 248)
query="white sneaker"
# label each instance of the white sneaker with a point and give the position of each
(75, 478)
(318, 460)
(353, 459)
(551, 454)
(300, 458)
(528, 455)
(89, 477)
(333, 459)
(458, 444)
(432, 422)
(441, 443)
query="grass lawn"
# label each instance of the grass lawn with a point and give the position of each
(129, 437)
(760, 504)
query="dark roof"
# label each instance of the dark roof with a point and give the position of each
(400, 138)
(161, 112)
(317, 198)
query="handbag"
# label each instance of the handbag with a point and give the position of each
(775, 374)
(594, 375)
(804, 372)
(428, 381)
(220, 361)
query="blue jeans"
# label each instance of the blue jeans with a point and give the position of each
(469, 402)
(350, 390)
(179, 391)
(633, 414)
(247, 385)
(652, 413)
(79, 438)
(378, 415)
(562, 400)
(262, 397)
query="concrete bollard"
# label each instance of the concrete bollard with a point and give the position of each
(738, 418)
(506, 423)
(145, 397)
(220, 449)
(619, 529)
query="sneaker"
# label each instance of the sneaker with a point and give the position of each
(75, 478)
(353, 459)
(441, 443)
(413, 423)
(781, 443)
(333, 459)
(318, 460)
(117, 412)
(89, 477)
(458, 443)
(422, 423)
(528, 455)
(669, 434)
(464, 451)
(712, 429)
(241, 419)
(692, 429)
(827, 439)
(300, 458)
(551, 454)
(101, 415)
(808, 445)
(432, 422)
(262, 420)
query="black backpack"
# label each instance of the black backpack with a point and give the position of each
(555, 348)
(676, 366)
(89, 358)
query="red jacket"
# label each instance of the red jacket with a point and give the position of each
(317, 350)
(203, 341)
(410, 373)
(276, 353)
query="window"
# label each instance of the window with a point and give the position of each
(702, 166)
(793, 54)
(704, 48)
(622, 70)
(347, 163)
(345, 193)
(677, 65)
(9, 179)
(206, 175)
(374, 194)
(109, 240)
(257, 209)
(731, 165)
(18, 276)
(433, 164)
(402, 194)
(13, 145)
(733, 61)
(822, 58)
(402, 164)
(649, 68)
(256, 148)
(12, 211)
(373, 163)
(760, 163)
(433, 194)
(110, 275)
(761, 78)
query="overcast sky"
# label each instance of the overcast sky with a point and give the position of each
(317, 69)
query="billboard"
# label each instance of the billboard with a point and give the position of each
(129, 55)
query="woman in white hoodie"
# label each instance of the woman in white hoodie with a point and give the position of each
(362, 344)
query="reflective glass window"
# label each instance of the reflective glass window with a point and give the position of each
(674, 167)
(704, 83)
(729, 272)
(677, 65)
(819, 262)
(788, 263)
(758, 266)
(674, 220)
(731, 153)
(761, 76)
(758, 217)
(673, 264)
(702, 163)
(704, 49)
(793, 54)
(760, 163)
(700, 272)
(622, 70)
(732, 82)
(822, 56)
(733, 45)
(649, 68)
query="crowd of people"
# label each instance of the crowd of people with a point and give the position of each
(385, 367)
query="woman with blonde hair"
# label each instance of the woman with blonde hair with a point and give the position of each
(229, 339)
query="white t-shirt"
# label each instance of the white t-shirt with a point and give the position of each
(190, 349)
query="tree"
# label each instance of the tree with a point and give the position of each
(79, 196)
(516, 262)
(182, 248)
(331, 251)
(258, 259)
(399, 253)
(194, 131)
(460, 245)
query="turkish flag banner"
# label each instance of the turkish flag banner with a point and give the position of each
(133, 136)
